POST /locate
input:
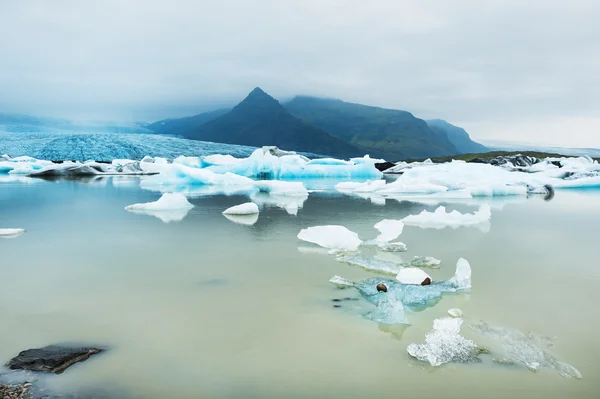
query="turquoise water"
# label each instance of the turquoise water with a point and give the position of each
(209, 308)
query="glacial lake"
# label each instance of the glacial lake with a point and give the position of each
(208, 308)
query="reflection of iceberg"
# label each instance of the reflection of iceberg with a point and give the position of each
(291, 204)
(444, 344)
(247, 220)
(11, 233)
(171, 207)
(336, 238)
(440, 219)
(526, 349)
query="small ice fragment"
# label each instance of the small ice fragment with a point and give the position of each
(248, 208)
(332, 237)
(396, 246)
(388, 310)
(424, 261)
(444, 344)
(389, 230)
(455, 312)
(247, 220)
(341, 282)
(171, 207)
(372, 265)
(11, 233)
(440, 219)
(462, 278)
(411, 275)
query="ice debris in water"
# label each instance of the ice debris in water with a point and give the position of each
(247, 220)
(336, 238)
(411, 275)
(395, 246)
(424, 261)
(454, 312)
(372, 265)
(412, 296)
(521, 348)
(170, 207)
(248, 208)
(440, 219)
(444, 344)
(11, 233)
(388, 310)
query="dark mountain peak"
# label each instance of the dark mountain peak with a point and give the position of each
(259, 102)
(258, 92)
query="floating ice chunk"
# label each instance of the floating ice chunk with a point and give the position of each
(337, 238)
(444, 344)
(372, 265)
(248, 208)
(395, 246)
(398, 187)
(367, 187)
(424, 261)
(522, 348)
(411, 275)
(411, 295)
(440, 219)
(218, 159)
(170, 207)
(389, 230)
(388, 310)
(11, 233)
(291, 203)
(454, 312)
(247, 220)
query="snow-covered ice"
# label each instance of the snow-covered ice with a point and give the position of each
(440, 219)
(336, 238)
(444, 344)
(389, 230)
(170, 207)
(412, 275)
(11, 233)
(526, 349)
(248, 208)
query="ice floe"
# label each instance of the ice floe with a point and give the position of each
(444, 344)
(520, 348)
(335, 238)
(248, 208)
(11, 233)
(389, 230)
(412, 275)
(440, 219)
(412, 296)
(424, 261)
(170, 207)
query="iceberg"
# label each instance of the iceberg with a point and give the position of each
(389, 230)
(335, 238)
(11, 233)
(415, 297)
(444, 344)
(170, 207)
(518, 347)
(248, 208)
(440, 219)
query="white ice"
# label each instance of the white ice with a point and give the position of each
(336, 238)
(412, 275)
(170, 207)
(11, 233)
(440, 219)
(248, 208)
(444, 344)
(455, 312)
(389, 230)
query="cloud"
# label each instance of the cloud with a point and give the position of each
(497, 66)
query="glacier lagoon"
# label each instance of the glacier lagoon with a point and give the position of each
(207, 307)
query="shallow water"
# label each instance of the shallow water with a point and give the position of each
(209, 308)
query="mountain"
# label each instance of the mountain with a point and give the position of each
(260, 120)
(185, 126)
(457, 136)
(389, 133)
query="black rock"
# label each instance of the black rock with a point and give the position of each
(50, 359)
(381, 166)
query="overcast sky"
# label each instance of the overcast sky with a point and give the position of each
(522, 70)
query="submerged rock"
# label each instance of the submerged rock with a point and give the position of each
(51, 359)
